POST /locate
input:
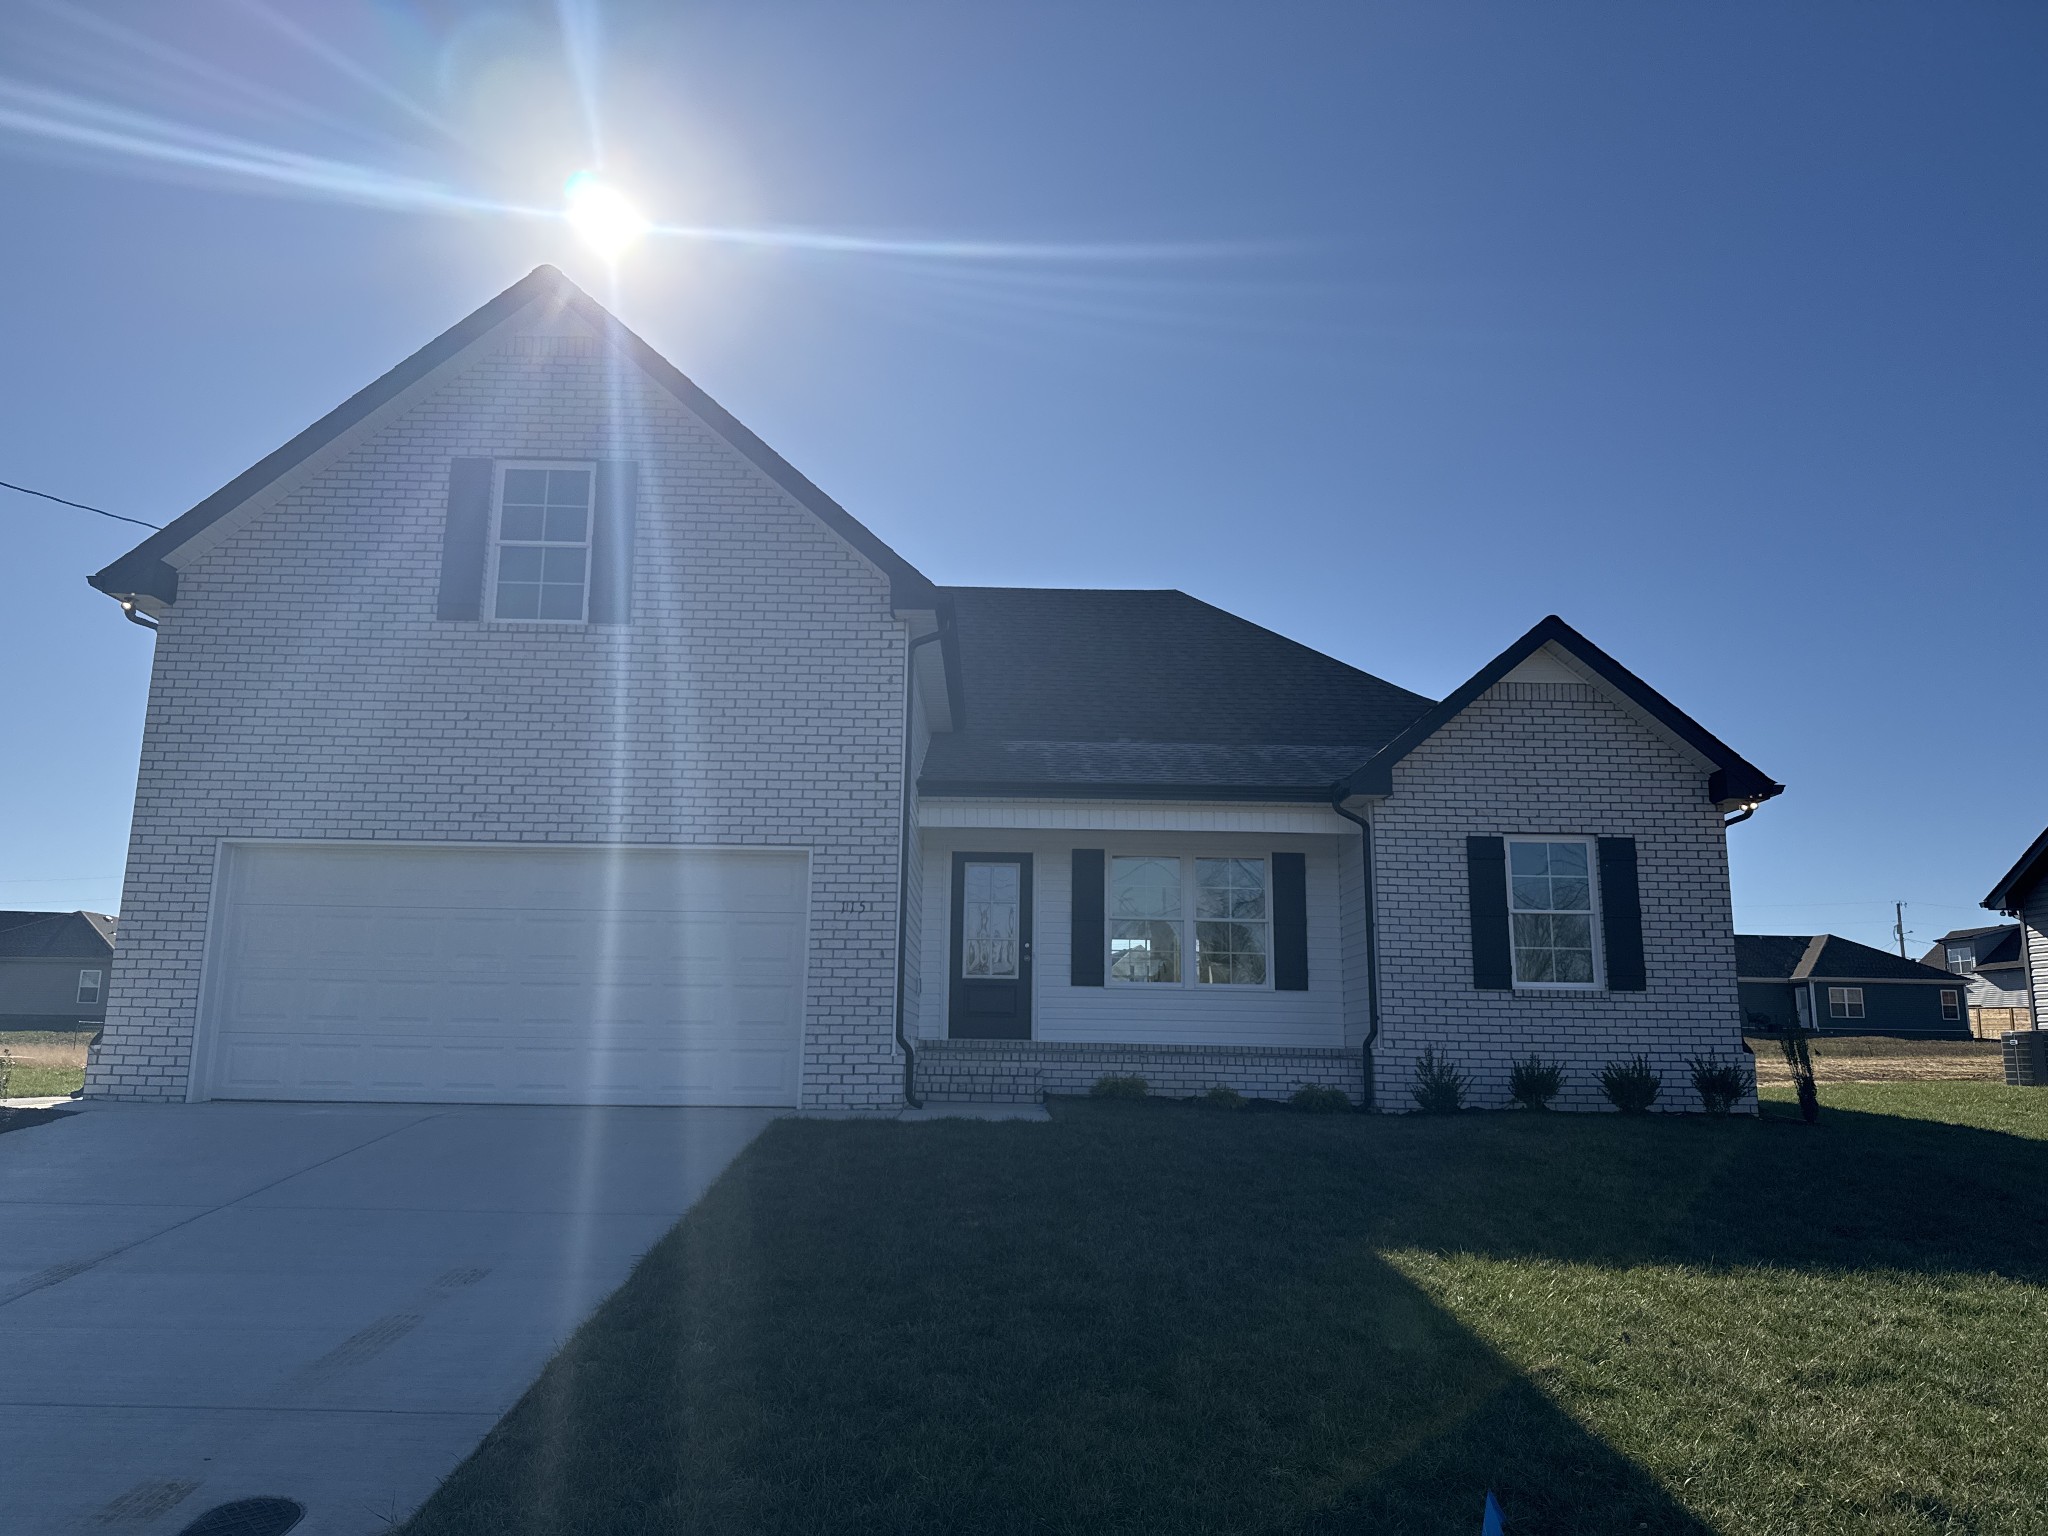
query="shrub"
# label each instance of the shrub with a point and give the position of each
(1720, 1084)
(1534, 1082)
(1630, 1086)
(1320, 1101)
(1119, 1088)
(1800, 1060)
(1221, 1097)
(6, 1071)
(1440, 1088)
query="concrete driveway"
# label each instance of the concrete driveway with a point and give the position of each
(333, 1303)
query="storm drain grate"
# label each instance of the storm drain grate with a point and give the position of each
(248, 1517)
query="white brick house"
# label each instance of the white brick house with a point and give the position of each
(527, 730)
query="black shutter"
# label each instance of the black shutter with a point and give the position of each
(464, 534)
(1290, 922)
(1621, 915)
(1486, 891)
(611, 542)
(1088, 936)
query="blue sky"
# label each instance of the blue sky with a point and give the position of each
(1721, 331)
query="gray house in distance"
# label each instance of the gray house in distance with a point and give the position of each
(1825, 982)
(1993, 967)
(54, 968)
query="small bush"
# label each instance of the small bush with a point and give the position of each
(1720, 1084)
(1119, 1088)
(6, 1071)
(1631, 1086)
(1440, 1088)
(1320, 1101)
(1221, 1097)
(1800, 1060)
(1534, 1082)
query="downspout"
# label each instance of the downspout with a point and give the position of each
(133, 616)
(903, 863)
(1372, 953)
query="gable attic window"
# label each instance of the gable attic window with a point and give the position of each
(1551, 912)
(1962, 959)
(540, 542)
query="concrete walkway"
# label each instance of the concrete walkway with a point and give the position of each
(331, 1303)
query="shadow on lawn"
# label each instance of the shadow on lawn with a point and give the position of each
(1146, 1318)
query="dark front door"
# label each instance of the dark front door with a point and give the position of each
(991, 993)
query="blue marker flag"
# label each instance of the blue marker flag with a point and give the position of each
(1492, 1527)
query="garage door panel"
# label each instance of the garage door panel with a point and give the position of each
(347, 971)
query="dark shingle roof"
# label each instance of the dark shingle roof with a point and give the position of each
(1116, 691)
(1768, 956)
(1991, 947)
(55, 936)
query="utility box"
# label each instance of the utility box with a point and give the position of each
(2026, 1058)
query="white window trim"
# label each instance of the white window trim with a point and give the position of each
(1188, 981)
(1592, 847)
(498, 469)
(1951, 1005)
(1852, 998)
(1961, 961)
(99, 989)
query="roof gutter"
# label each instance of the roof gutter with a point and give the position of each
(1372, 952)
(903, 860)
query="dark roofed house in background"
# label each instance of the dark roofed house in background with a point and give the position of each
(596, 660)
(54, 968)
(1825, 982)
(1992, 963)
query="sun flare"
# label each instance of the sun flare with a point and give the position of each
(603, 216)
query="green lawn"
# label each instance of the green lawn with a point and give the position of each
(1150, 1318)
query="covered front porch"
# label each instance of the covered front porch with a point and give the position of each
(1192, 945)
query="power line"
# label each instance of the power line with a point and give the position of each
(103, 512)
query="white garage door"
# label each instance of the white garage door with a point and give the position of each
(507, 975)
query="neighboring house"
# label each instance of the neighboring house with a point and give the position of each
(2023, 894)
(1994, 968)
(1839, 987)
(54, 969)
(528, 730)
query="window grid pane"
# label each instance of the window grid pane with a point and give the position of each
(543, 545)
(1550, 905)
(1144, 950)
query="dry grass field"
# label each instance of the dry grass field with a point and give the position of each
(1880, 1059)
(44, 1062)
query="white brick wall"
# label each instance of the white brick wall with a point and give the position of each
(1526, 759)
(1024, 1071)
(304, 688)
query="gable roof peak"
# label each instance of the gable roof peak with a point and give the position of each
(1733, 779)
(146, 572)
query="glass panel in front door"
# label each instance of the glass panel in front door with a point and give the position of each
(989, 919)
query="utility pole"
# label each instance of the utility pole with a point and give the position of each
(1899, 925)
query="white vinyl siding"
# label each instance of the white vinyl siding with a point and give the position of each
(1133, 1014)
